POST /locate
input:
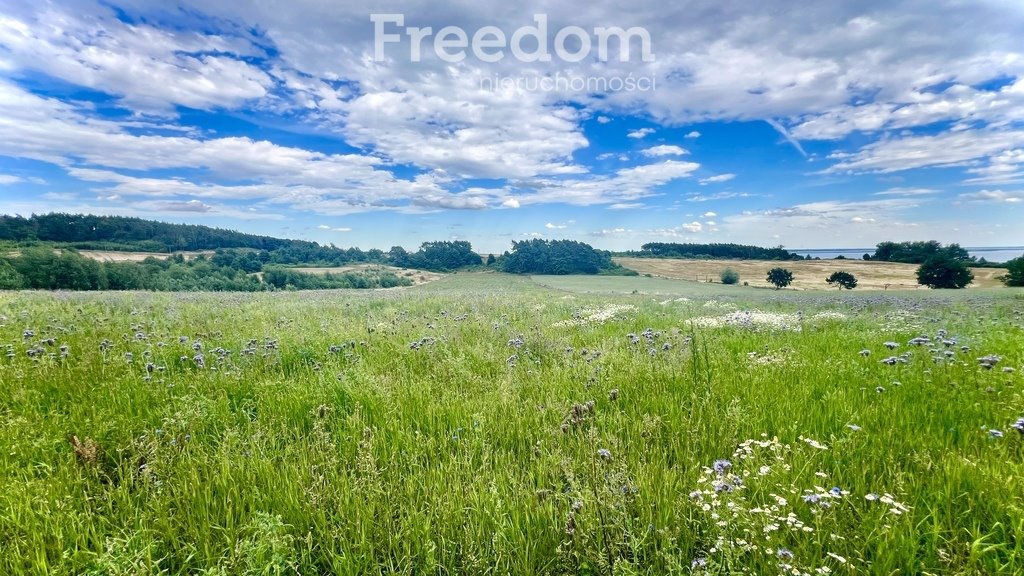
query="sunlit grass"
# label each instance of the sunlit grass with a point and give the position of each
(319, 440)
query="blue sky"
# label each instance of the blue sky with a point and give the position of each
(835, 125)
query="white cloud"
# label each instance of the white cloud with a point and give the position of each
(150, 69)
(6, 179)
(693, 227)
(664, 150)
(906, 192)
(994, 196)
(551, 226)
(716, 179)
(61, 196)
(641, 133)
(828, 222)
(1006, 167)
(610, 232)
(710, 214)
(447, 122)
(624, 186)
(510, 203)
(934, 150)
(692, 135)
(603, 119)
(716, 196)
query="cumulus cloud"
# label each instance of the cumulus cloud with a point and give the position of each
(149, 68)
(640, 133)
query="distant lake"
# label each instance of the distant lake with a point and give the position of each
(993, 254)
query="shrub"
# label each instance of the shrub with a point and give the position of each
(730, 276)
(943, 271)
(844, 279)
(780, 277)
(1015, 272)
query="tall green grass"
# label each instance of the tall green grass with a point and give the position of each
(472, 453)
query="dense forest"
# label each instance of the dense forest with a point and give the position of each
(713, 252)
(124, 233)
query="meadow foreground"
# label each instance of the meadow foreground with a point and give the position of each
(485, 423)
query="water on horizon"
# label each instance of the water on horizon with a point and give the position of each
(991, 254)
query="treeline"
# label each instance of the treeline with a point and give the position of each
(117, 233)
(126, 233)
(558, 257)
(43, 268)
(713, 252)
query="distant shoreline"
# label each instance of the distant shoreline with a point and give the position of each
(990, 253)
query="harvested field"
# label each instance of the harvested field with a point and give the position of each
(807, 274)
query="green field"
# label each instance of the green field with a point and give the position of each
(485, 423)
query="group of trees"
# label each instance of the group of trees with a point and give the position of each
(917, 252)
(713, 252)
(538, 256)
(44, 268)
(443, 256)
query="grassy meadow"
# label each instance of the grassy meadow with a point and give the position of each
(492, 424)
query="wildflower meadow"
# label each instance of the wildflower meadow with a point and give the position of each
(495, 424)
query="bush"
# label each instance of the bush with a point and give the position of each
(780, 277)
(844, 279)
(730, 276)
(10, 279)
(943, 271)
